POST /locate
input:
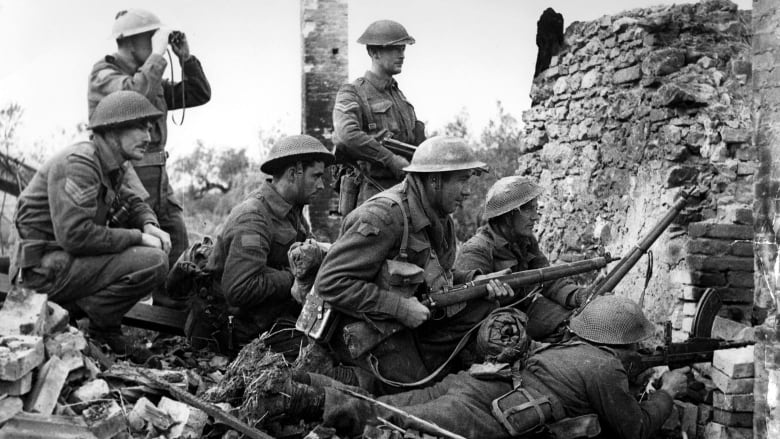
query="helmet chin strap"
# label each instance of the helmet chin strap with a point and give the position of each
(300, 194)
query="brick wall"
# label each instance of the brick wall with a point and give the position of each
(324, 40)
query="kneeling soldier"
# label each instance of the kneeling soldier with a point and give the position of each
(85, 238)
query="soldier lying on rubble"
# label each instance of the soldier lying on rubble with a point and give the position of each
(556, 382)
(85, 239)
(398, 241)
(507, 241)
(251, 276)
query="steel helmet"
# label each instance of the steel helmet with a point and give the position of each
(612, 320)
(122, 108)
(443, 154)
(291, 149)
(133, 22)
(385, 33)
(510, 193)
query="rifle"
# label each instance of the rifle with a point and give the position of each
(608, 283)
(476, 289)
(397, 147)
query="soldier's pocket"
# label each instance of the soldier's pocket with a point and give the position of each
(383, 116)
(54, 265)
(277, 254)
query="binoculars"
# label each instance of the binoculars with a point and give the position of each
(175, 37)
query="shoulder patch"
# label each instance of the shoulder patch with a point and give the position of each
(80, 193)
(367, 229)
(251, 241)
(346, 107)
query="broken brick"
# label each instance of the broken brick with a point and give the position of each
(144, 411)
(18, 387)
(19, 354)
(727, 384)
(733, 402)
(726, 329)
(733, 419)
(47, 388)
(38, 426)
(23, 313)
(65, 344)
(9, 407)
(736, 363)
(189, 420)
(92, 390)
(57, 318)
(105, 419)
(720, 431)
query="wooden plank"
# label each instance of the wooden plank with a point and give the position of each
(156, 318)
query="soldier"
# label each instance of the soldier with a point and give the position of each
(249, 262)
(507, 241)
(570, 381)
(138, 65)
(85, 239)
(374, 103)
(398, 242)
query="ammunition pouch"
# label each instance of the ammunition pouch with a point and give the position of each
(528, 408)
(349, 188)
(317, 318)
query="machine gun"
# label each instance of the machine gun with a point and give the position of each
(476, 289)
(397, 147)
(608, 283)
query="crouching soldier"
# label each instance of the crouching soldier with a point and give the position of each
(251, 274)
(85, 239)
(576, 389)
(507, 241)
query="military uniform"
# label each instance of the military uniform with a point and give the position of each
(249, 261)
(114, 72)
(581, 377)
(489, 252)
(66, 248)
(351, 280)
(363, 108)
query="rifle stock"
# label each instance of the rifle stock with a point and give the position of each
(476, 289)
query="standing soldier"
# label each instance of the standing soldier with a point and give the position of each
(507, 241)
(85, 239)
(390, 248)
(138, 65)
(374, 104)
(249, 264)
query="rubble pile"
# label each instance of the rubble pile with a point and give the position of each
(56, 383)
(635, 109)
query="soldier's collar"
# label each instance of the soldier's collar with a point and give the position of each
(278, 205)
(126, 63)
(379, 83)
(109, 155)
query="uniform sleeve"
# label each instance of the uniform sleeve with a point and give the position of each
(348, 129)
(132, 194)
(347, 274)
(73, 196)
(615, 406)
(197, 90)
(561, 291)
(247, 280)
(474, 256)
(106, 78)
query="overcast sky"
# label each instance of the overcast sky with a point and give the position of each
(469, 54)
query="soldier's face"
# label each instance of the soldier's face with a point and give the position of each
(390, 59)
(311, 181)
(142, 47)
(455, 188)
(524, 219)
(133, 140)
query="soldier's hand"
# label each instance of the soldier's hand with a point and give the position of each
(148, 240)
(675, 382)
(496, 289)
(164, 237)
(180, 46)
(413, 313)
(160, 41)
(397, 164)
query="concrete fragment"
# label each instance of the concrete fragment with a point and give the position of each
(736, 363)
(189, 420)
(9, 407)
(105, 419)
(726, 329)
(18, 387)
(57, 318)
(720, 431)
(729, 385)
(19, 354)
(733, 419)
(92, 390)
(23, 313)
(733, 402)
(38, 426)
(67, 343)
(48, 386)
(144, 411)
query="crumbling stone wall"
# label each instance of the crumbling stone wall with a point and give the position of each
(635, 110)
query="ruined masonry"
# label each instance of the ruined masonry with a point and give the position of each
(634, 110)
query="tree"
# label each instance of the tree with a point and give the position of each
(208, 169)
